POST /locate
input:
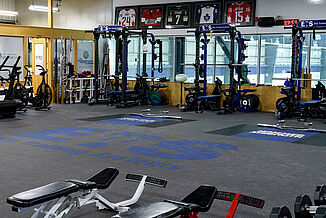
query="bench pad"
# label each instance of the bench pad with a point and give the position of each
(158, 209)
(203, 196)
(42, 194)
(208, 97)
(120, 92)
(310, 102)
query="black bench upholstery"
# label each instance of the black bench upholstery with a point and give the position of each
(42, 194)
(104, 178)
(101, 180)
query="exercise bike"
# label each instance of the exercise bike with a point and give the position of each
(43, 97)
(24, 92)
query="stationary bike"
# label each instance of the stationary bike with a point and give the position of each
(43, 97)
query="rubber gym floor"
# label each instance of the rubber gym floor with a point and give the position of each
(77, 141)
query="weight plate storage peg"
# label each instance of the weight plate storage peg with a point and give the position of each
(301, 205)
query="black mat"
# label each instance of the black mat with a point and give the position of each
(149, 125)
(316, 140)
(115, 116)
(166, 123)
(234, 130)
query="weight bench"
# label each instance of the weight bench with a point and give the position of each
(61, 194)
(120, 92)
(310, 109)
(200, 200)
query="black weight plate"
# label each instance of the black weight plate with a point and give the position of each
(300, 206)
(320, 195)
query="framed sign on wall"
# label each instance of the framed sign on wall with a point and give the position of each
(241, 13)
(126, 17)
(207, 13)
(152, 16)
(178, 15)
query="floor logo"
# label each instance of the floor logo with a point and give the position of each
(133, 120)
(276, 135)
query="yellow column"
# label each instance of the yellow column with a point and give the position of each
(50, 47)
(50, 13)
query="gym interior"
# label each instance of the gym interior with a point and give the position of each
(150, 109)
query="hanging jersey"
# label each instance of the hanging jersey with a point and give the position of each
(151, 17)
(207, 14)
(178, 15)
(127, 18)
(239, 12)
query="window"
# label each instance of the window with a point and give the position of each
(252, 59)
(190, 56)
(167, 54)
(318, 59)
(84, 56)
(276, 53)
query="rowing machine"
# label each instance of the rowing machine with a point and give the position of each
(61, 194)
(281, 125)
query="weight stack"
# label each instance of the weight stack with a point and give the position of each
(249, 103)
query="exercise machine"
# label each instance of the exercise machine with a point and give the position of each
(197, 98)
(57, 198)
(43, 97)
(291, 105)
(8, 107)
(198, 201)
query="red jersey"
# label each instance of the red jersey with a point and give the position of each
(151, 17)
(239, 12)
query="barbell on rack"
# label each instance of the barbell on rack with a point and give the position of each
(236, 65)
(298, 79)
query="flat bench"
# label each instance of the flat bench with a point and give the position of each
(309, 103)
(200, 200)
(120, 92)
(61, 193)
(208, 97)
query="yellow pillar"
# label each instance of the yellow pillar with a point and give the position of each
(50, 13)
(50, 47)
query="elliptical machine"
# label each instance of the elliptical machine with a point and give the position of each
(8, 107)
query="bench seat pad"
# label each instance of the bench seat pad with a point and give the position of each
(42, 194)
(155, 210)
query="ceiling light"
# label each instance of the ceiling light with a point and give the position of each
(8, 13)
(42, 8)
(317, 2)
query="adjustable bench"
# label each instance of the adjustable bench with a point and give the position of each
(200, 200)
(310, 109)
(60, 193)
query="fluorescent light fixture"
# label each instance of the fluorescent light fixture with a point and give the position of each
(316, 2)
(42, 8)
(8, 13)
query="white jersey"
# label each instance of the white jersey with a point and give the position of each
(206, 15)
(127, 17)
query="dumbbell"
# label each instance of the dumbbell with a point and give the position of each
(320, 195)
(146, 110)
(280, 212)
(163, 112)
(303, 206)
